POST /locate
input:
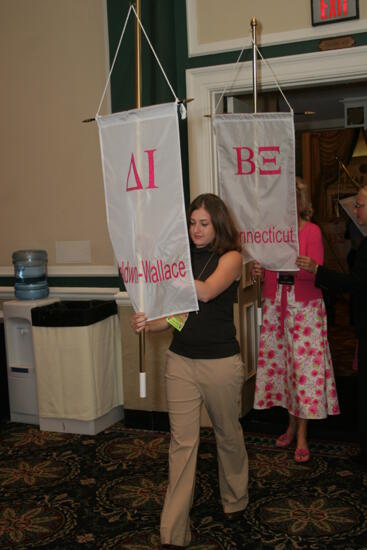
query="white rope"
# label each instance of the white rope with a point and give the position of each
(155, 55)
(271, 70)
(182, 107)
(114, 60)
(229, 87)
(275, 78)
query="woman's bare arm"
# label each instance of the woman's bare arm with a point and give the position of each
(229, 269)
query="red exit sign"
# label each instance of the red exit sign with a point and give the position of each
(333, 11)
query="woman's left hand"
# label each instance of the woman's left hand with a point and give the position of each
(138, 322)
(307, 263)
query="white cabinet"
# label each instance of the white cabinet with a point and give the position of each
(22, 384)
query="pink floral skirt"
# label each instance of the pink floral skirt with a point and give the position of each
(294, 368)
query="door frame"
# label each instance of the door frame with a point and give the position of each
(206, 84)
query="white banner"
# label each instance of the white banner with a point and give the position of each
(256, 173)
(146, 218)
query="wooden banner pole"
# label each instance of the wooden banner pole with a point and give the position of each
(254, 87)
(138, 94)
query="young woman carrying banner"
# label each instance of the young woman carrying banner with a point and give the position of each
(294, 368)
(204, 366)
(354, 282)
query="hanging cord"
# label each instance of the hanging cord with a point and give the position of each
(269, 67)
(227, 88)
(114, 60)
(272, 72)
(178, 102)
(155, 55)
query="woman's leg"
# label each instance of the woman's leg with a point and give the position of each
(292, 426)
(221, 382)
(302, 454)
(302, 433)
(287, 437)
(184, 403)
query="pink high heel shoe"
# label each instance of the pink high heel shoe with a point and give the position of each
(301, 455)
(284, 440)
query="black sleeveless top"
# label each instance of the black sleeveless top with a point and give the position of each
(209, 333)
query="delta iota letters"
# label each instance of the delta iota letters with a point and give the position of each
(153, 271)
(151, 176)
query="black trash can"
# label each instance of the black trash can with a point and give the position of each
(78, 363)
(73, 313)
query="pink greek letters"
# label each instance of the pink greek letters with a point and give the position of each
(151, 177)
(247, 163)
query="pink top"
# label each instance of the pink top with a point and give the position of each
(310, 244)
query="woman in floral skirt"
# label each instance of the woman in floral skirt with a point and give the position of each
(294, 367)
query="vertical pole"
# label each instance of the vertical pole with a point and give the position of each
(254, 63)
(254, 87)
(138, 88)
(138, 55)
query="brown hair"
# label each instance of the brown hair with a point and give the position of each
(226, 232)
(303, 200)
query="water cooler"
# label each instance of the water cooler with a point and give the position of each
(31, 290)
(64, 363)
(23, 401)
(30, 274)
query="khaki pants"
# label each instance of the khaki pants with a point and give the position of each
(218, 383)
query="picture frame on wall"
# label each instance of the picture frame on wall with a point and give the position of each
(325, 12)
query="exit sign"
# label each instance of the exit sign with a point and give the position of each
(333, 11)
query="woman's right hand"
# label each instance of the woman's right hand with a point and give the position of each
(257, 271)
(138, 322)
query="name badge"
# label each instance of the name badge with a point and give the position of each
(177, 321)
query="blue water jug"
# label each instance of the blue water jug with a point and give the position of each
(30, 271)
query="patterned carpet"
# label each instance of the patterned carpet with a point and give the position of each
(105, 492)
